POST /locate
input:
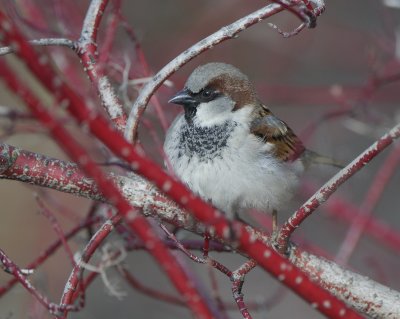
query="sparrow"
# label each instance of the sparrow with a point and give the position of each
(230, 149)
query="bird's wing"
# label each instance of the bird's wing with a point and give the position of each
(271, 129)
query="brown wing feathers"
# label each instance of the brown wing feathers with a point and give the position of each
(271, 129)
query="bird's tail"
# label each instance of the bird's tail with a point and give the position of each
(311, 157)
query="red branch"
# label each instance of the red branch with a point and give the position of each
(148, 291)
(228, 32)
(331, 186)
(367, 207)
(344, 211)
(86, 48)
(138, 223)
(41, 170)
(9, 266)
(48, 252)
(266, 257)
(57, 228)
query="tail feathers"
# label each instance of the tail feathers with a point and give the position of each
(310, 157)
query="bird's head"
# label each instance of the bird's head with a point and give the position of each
(213, 92)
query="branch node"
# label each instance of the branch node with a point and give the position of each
(8, 156)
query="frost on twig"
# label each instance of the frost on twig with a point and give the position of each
(362, 293)
(41, 42)
(392, 3)
(288, 34)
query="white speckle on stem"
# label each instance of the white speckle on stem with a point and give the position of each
(267, 253)
(226, 232)
(131, 215)
(126, 151)
(253, 238)
(167, 186)
(135, 165)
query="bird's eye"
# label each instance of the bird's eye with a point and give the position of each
(206, 93)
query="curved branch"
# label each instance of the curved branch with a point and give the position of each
(141, 193)
(218, 224)
(86, 48)
(143, 229)
(228, 32)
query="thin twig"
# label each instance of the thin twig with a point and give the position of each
(41, 42)
(331, 186)
(86, 48)
(10, 267)
(381, 179)
(57, 228)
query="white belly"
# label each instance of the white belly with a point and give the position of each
(243, 176)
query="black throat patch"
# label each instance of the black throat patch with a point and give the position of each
(205, 142)
(190, 112)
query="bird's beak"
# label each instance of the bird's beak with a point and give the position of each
(182, 98)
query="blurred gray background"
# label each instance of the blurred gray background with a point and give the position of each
(300, 78)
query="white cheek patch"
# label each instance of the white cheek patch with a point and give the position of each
(214, 112)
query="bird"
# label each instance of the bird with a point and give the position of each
(230, 149)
